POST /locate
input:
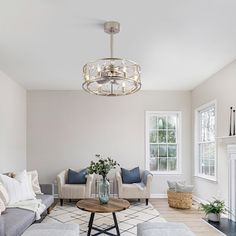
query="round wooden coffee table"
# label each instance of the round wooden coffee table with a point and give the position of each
(93, 205)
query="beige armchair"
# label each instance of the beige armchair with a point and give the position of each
(138, 190)
(73, 191)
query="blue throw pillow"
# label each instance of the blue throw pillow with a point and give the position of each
(75, 177)
(130, 176)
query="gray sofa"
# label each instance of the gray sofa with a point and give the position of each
(14, 221)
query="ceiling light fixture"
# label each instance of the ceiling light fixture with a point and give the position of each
(111, 76)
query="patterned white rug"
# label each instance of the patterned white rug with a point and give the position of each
(127, 220)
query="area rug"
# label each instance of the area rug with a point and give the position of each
(127, 219)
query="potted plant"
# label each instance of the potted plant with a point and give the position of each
(102, 167)
(214, 209)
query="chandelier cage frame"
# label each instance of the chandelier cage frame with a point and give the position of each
(111, 76)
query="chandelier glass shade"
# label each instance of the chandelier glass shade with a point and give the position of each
(111, 76)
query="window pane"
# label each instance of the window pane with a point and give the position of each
(162, 164)
(207, 150)
(172, 150)
(162, 136)
(161, 122)
(172, 121)
(153, 122)
(153, 136)
(153, 150)
(162, 141)
(212, 167)
(207, 125)
(162, 150)
(171, 137)
(205, 167)
(153, 164)
(212, 151)
(171, 164)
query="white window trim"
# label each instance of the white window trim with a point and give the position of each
(179, 134)
(196, 136)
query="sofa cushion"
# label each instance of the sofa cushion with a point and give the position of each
(130, 176)
(75, 177)
(47, 200)
(16, 221)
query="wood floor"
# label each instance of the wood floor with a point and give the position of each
(192, 218)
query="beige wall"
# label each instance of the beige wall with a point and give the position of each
(12, 125)
(222, 87)
(66, 129)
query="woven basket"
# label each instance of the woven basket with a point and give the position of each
(179, 200)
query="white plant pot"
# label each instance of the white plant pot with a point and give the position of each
(213, 217)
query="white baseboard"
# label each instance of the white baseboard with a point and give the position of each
(199, 200)
(159, 195)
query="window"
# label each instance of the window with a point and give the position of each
(163, 142)
(205, 145)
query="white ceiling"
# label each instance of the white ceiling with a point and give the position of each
(178, 43)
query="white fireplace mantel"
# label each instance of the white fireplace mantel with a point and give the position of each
(227, 139)
(230, 142)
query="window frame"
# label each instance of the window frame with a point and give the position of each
(197, 141)
(178, 170)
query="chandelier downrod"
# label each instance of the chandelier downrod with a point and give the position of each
(111, 44)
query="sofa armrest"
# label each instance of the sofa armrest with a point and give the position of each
(119, 180)
(61, 180)
(147, 179)
(89, 182)
(47, 189)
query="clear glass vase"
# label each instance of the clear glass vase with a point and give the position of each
(104, 190)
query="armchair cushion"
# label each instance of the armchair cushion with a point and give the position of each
(130, 176)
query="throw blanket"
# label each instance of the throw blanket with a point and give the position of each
(34, 205)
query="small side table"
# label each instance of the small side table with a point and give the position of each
(93, 205)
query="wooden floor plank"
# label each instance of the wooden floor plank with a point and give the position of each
(192, 217)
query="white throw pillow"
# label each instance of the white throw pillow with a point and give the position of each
(182, 188)
(35, 181)
(30, 185)
(3, 194)
(2, 206)
(172, 184)
(18, 188)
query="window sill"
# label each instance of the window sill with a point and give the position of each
(208, 178)
(166, 173)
